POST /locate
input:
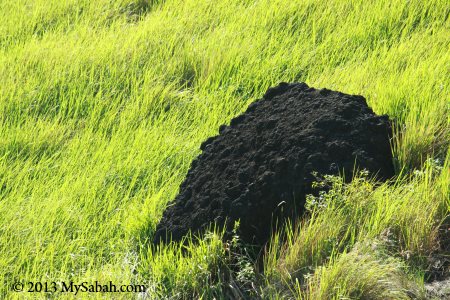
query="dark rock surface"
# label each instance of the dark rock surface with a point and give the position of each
(259, 168)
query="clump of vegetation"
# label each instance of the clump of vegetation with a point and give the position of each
(202, 267)
(364, 234)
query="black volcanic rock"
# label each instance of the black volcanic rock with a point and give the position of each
(259, 168)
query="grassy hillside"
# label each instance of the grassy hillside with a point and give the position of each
(103, 105)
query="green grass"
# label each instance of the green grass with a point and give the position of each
(364, 235)
(103, 105)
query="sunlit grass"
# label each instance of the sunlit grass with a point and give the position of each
(398, 220)
(103, 105)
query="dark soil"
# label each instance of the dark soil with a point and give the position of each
(260, 167)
